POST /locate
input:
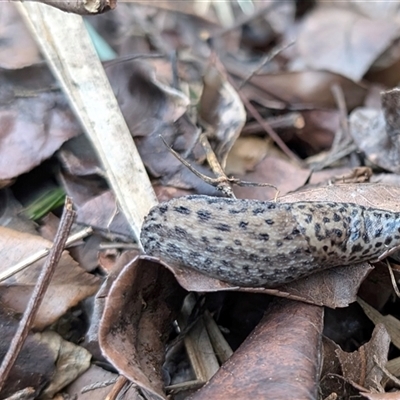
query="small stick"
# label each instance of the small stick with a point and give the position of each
(215, 166)
(220, 182)
(39, 290)
(270, 56)
(290, 120)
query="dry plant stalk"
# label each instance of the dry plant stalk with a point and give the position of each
(70, 54)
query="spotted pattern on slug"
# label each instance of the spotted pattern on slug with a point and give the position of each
(255, 243)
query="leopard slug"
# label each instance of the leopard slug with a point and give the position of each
(257, 243)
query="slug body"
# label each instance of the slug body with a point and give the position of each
(256, 243)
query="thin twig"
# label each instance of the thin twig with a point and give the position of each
(273, 135)
(38, 292)
(220, 182)
(270, 56)
(223, 183)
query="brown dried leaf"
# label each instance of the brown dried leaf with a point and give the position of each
(344, 42)
(136, 321)
(69, 285)
(79, 158)
(34, 121)
(332, 288)
(299, 90)
(391, 323)
(151, 108)
(102, 213)
(360, 367)
(245, 154)
(286, 176)
(282, 353)
(35, 364)
(91, 341)
(71, 361)
(378, 288)
(46, 360)
(318, 132)
(336, 287)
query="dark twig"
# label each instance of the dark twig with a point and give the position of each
(270, 56)
(38, 292)
(343, 144)
(273, 135)
(220, 183)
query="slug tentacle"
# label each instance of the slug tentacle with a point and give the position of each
(256, 243)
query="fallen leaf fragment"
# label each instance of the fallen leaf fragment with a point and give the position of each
(45, 361)
(34, 366)
(32, 129)
(102, 213)
(92, 376)
(301, 90)
(391, 323)
(344, 42)
(360, 366)
(71, 361)
(278, 172)
(136, 323)
(70, 284)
